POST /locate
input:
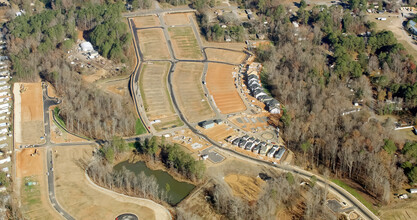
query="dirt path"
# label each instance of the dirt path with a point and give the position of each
(84, 200)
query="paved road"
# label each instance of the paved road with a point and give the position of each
(363, 211)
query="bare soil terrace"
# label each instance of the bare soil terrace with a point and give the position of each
(30, 117)
(152, 44)
(189, 91)
(155, 95)
(220, 83)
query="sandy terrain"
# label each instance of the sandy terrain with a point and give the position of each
(220, 83)
(51, 91)
(116, 86)
(244, 186)
(219, 132)
(27, 165)
(84, 200)
(177, 19)
(34, 201)
(189, 91)
(152, 44)
(225, 56)
(17, 114)
(146, 21)
(184, 43)
(157, 101)
(100, 73)
(31, 113)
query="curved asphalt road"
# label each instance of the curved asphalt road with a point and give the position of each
(363, 211)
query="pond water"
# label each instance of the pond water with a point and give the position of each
(178, 190)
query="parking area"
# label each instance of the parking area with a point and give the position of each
(212, 155)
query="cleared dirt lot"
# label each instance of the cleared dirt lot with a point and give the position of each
(220, 83)
(233, 46)
(157, 101)
(177, 19)
(219, 132)
(400, 210)
(153, 44)
(184, 43)
(225, 55)
(189, 91)
(83, 200)
(146, 21)
(29, 113)
(245, 187)
(34, 199)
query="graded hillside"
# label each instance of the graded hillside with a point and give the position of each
(146, 21)
(221, 85)
(189, 92)
(227, 56)
(152, 44)
(184, 43)
(155, 95)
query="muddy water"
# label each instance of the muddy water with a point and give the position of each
(178, 190)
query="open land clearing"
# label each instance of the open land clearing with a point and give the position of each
(146, 21)
(177, 18)
(225, 55)
(220, 83)
(394, 23)
(152, 44)
(184, 43)
(34, 199)
(155, 95)
(189, 91)
(28, 113)
(245, 187)
(219, 132)
(84, 200)
(117, 86)
(403, 209)
(228, 45)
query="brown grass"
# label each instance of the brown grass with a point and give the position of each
(244, 186)
(153, 44)
(184, 43)
(85, 201)
(177, 19)
(225, 56)
(189, 91)
(146, 21)
(220, 83)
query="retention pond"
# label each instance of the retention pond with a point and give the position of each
(177, 190)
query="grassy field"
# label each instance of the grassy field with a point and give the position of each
(356, 195)
(189, 92)
(156, 99)
(152, 44)
(185, 43)
(139, 127)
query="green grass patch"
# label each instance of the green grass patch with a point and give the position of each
(31, 194)
(58, 118)
(139, 127)
(355, 194)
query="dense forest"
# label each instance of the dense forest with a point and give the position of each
(333, 59)
(33, 39)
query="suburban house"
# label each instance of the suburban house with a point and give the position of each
(414, 190)
(210, 123)
(263, 150)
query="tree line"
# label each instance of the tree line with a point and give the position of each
(172, 156)
(281, 192)
(317, 70)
